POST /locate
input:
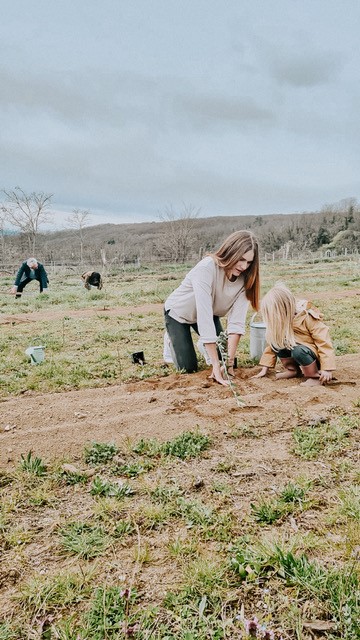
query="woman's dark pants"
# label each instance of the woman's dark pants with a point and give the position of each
(181, 343)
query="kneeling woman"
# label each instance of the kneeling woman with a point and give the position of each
(221, 284)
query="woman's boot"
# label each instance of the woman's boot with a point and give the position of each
(291, 369)
(311, 373)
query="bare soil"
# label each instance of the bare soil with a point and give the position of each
(57, 425)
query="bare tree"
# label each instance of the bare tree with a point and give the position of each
(27, 212)
(79, 220)
(2, 234)
(179, 231)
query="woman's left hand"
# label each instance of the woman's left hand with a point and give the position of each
(217, 375)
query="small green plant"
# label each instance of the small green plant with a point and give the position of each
(292, 493)
(179, 548)
(101, 487)
(194, 512)
(151, 516)
(32, 464)
(267, 512)
(73, 477)
(83, 540)
(188, 445)
(123, 528)
(100, 452)
(131, 470)
(165, 494)
(335, 590)
(149, 447)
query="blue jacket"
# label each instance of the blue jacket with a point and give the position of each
(24, 272)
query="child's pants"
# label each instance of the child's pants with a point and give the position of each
(302, 355)
(182, 346)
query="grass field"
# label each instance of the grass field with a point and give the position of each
(178, 539)
(96, 350)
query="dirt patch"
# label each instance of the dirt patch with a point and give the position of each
(145, 308)
(57, 425)
(78, 313)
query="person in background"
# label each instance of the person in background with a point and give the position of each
(221, 284)
(295, 334)
(92, 279)
(30, 270)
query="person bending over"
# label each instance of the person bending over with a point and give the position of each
(92, 279)
(297, 336)
(30, 270)
(221, 284)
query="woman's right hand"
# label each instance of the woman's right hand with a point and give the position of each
(262, 373)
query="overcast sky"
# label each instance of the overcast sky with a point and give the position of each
(125, 107)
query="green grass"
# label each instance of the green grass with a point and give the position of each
(142, 549)
(324, 439)
(107, 614)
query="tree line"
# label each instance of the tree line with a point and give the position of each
(180, 235)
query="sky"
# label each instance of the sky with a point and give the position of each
(127, 108)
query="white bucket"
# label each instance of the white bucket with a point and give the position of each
(36, 354)
(257, 338)
(167, 355)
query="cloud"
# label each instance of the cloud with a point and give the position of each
(299, 62)
(207, 110)
(305, 70)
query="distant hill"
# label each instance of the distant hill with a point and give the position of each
(336, 228)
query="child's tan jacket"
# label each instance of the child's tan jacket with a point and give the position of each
(310, 331)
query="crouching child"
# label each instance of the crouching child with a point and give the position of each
(296, 335)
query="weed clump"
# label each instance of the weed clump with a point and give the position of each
(83, 540)
(100, 452)
(188, 445)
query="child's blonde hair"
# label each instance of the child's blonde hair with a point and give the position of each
(278, 308)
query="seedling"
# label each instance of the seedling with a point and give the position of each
(32, 464)
(222, 341)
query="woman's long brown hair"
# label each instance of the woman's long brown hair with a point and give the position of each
(231, 251)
